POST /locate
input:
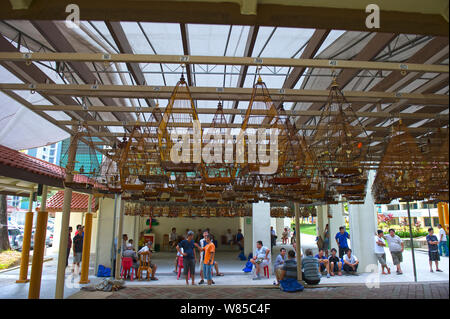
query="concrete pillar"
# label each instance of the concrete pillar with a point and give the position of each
(38, 248)
(27, 232)
(337, 220)
(363, 228)
(298, 243)
(279, 228)
(121, 209)
(261, 225)
(86, 243)
(248, 235)
(320, 224)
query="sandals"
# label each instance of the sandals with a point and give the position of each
(153, 278)
(220, 274)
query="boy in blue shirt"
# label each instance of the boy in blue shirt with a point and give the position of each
(323, 262)
(341, 240)
(433, 250)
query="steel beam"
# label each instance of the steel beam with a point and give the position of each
(74, 57)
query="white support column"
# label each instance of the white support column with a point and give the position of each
(363, 228)
(320, 221)
(338, 220)
(279, 229)
(248, 235)
(121, 209)
(261, 226)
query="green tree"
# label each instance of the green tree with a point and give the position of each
(4, 240)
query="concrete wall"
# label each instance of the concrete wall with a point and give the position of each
(217, 225)
(104, 231)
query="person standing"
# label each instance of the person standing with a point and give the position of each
(208, 261)
(396, 248)
(433, 252)
(326, 240)
(77, 251)
(342, 241)
(240, 240)
(189, 256)
(173, 238)
(69, 246)
(273, 237)
(380, 243)
(284, 236)
(442, 241)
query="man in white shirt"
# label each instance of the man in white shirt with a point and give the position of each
(380, 243)
(230, 237)
(260, 259)
(396, 247)
(350, 262)
(442, 241)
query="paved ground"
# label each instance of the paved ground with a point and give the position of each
(230, 265)
(385, 291)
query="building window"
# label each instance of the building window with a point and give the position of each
(435, 221)
(427, 221)
(414, 206)
(392, 207)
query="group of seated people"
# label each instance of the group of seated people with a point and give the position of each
(128, 251)
(313, 267)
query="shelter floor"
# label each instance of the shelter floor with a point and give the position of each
(385, 291)
(230, 265)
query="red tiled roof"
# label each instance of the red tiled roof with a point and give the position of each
(13, 158)
(79, 202)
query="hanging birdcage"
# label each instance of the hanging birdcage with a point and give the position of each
(339, 140)
(261, 114)
(178, 121)
(217, 170)
(403, 169)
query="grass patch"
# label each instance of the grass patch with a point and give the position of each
(309, 229)
(9, 258)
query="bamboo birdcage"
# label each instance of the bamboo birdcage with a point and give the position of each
(403, 169)
(260, 101)
(218, 171)
(178, 120)
(340, 142)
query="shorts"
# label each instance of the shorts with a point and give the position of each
(397, 257)
(335, 267)
(263, 263)
(207, 271)
(322, 267)
(189, 266)
(434, 256)
(77, 258)
(381, 259)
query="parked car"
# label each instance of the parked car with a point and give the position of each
(49, 239)
(15, 238)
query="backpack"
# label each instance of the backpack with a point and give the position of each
(248, 267)
(103, 271)
(290, 285)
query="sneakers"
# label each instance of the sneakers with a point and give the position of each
(438, 270)
(201, 282)
(328, 275)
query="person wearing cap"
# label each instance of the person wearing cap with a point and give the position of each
(148, 248)
(189, 257)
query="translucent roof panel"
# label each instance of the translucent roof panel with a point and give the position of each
(165, 37)
(284, 43)
(207, 39)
